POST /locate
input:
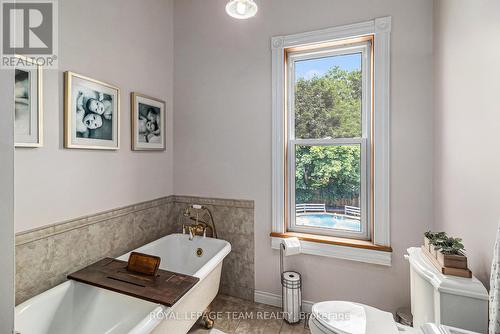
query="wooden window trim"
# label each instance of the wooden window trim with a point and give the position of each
(377, 250)
(371, 143)
(355, 243)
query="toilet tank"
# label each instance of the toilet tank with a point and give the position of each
(443, 299)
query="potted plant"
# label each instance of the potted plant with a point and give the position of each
(431, 238)
(450, 252)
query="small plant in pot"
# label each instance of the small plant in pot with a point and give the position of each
(450, 252)
(431, 238)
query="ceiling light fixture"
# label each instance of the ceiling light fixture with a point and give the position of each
(241, 9)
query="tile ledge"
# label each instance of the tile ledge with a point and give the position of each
(42, 232)
(237, 203)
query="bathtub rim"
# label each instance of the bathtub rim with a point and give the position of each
(207, 267)
(64, 288)
(150, 322)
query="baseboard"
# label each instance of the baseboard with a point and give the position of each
(275, 300)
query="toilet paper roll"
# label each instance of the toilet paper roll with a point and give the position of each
(292, 296)
(292, 246)
(291, 276)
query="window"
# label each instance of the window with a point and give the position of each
(331, 137)
(329, 107)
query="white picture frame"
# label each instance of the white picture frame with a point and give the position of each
(148, 123)
(28, 110)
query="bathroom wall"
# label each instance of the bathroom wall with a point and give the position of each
(234, 220)
(45, 256)
(126, 43)
(467, 162)
(223, 128)
(6, 201)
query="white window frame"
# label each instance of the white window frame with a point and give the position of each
(364, 48)
(380, 29)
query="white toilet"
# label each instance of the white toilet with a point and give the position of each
(440, 305)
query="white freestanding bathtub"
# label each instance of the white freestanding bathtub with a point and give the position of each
(76, 308)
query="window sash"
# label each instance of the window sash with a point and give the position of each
(365, 48)
(364, 187)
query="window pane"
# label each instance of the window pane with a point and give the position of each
(328, 97)
(327, 186)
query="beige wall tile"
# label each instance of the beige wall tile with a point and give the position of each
(44, 257)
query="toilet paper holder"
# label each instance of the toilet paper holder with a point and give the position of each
(291, 292)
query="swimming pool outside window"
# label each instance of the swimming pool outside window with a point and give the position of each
(329, 139)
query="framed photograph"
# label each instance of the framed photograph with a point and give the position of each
(28, 126)
(91, 113)
(148, 123)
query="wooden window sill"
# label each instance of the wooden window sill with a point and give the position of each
(333, 240)
(348, 249)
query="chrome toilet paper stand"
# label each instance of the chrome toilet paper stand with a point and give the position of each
(291, 292)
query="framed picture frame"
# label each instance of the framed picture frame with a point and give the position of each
(28, 110)
(148, 123)
(91, 113)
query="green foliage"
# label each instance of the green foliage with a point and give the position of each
(328, 106)
(444, 244)
(327, 172)
(450, 246)
(435, 237)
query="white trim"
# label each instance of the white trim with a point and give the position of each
(341, 252)
(380, 28)
(328, 141)
(382, 64)
(330, 34)
(278, 162)
(275, 300)
(7, 248)
(340, 50)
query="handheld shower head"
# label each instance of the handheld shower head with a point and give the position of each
(200, 213)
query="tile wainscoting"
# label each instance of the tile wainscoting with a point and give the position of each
(46, 255)
(234, 220)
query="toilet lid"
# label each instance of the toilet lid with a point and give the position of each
(341, 317)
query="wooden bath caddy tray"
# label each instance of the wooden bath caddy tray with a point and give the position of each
(446, 270)
(164, 288)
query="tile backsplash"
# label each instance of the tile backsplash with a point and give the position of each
(234, 220)
(46, 255)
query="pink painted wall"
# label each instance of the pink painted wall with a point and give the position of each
(126, 43)
(222, 119)
(467, 143)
